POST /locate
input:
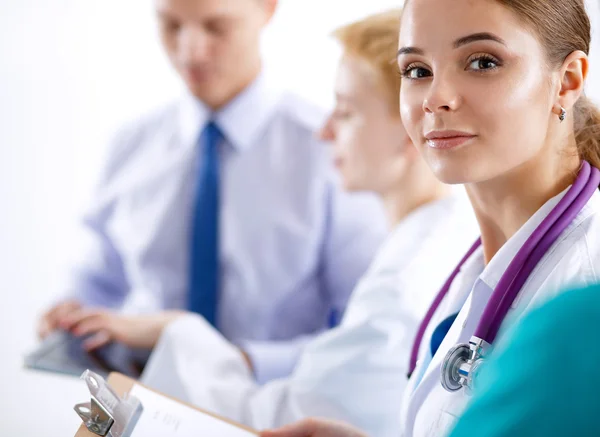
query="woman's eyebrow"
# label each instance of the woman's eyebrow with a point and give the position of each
(481, 36)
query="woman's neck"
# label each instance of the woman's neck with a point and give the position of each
(503, 205)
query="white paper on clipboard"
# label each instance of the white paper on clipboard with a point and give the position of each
(164, 417)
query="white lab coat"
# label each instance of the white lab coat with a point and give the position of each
(574, 259)
(356, 372)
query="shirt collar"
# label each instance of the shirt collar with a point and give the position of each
(240, 121)
(499, 263)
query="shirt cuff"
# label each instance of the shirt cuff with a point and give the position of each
(273, 359)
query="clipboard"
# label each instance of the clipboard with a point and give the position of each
(123, 386)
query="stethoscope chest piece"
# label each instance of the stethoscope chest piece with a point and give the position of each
(462, 363)
(457, 356)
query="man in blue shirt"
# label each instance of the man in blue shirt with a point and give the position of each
(222, 203)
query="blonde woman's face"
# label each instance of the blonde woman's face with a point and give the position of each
(368, 138)
(476, 94)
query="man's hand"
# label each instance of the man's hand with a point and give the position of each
(103, 327)
(52, 319)
(314, 428)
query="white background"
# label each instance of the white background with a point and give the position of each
(71, 72)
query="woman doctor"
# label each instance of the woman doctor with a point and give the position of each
(492, 96)
(355, 372)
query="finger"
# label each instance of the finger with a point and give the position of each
(66, 308)
(304, 428)
(90, 325)
(50, 320)
(99, 339)
(63, 310)
(44, 329)
(69, 321)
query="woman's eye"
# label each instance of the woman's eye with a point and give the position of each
(482, 64)
(217, 27)
(415, 73)
(171, 26)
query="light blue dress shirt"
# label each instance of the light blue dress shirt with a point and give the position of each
(293, 244)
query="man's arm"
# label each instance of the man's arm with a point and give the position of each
(96, 277)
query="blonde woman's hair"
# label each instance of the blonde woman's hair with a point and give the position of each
(375, 40)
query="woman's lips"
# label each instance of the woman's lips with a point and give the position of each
(447, 139)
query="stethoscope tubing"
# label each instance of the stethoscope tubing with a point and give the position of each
(434, 306)
(536, 247)
(532, 251)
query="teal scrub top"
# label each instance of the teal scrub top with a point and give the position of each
(543, 379)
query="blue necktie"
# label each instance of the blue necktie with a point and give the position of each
(204, 260)
(334, 319)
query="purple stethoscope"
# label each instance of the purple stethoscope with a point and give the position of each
(463, 361)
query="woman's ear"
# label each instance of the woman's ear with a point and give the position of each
(573, 74)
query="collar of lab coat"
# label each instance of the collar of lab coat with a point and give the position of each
(499, 263)
(241, 120)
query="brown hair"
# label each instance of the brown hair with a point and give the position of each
(563, 27)
(375, 40)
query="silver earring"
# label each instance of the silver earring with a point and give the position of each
(563, 114)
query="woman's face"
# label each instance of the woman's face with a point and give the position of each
(476, 95)
(368, 138)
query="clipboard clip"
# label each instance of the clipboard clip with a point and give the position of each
(107, 414)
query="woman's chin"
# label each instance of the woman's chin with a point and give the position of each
(451, 176)
(352, 185)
